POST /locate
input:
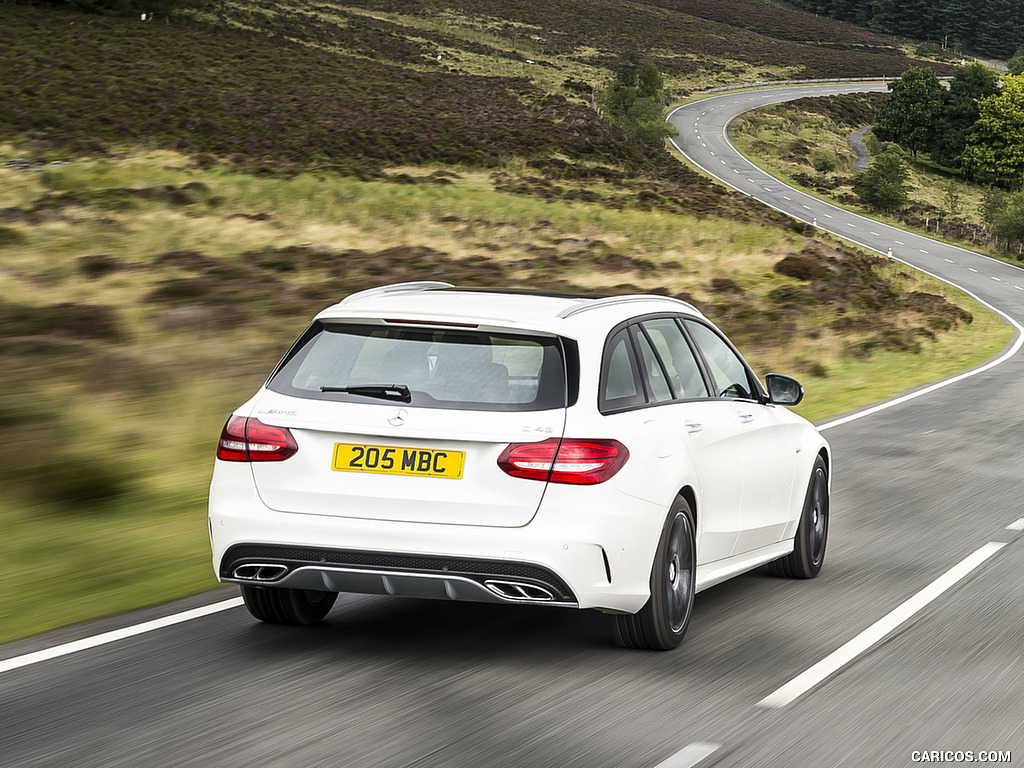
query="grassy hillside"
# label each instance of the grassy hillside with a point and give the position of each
(177, 199)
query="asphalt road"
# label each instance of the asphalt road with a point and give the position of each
(387, 682)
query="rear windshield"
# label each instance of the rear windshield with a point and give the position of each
(458, 369)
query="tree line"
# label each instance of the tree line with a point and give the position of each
(975, 127)
(988, 27)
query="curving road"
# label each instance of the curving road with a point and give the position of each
(921, 597)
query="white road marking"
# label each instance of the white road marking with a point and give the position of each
(711, 153)
(851, 224)
(723, 162)
(1017, 525)
(689, 756)
(118, 634)
(704, 145)
(948, 261)
(922, 250)
(997, 279)
(877, 631)
(899, 242)
(828, 216)
(1018, 288)
(876, 234)
(973, 270)
(787, 198)
(807, 207)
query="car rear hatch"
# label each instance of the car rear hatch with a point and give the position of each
(407, 423)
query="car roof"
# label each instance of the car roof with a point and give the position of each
(551, 312)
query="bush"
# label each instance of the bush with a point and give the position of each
(823, 161)
(883, 184)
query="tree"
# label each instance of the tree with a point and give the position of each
(994, 151)
(1016, 63)
(908, 114)
(634, 100)
(959, 112)
(1009, 221)
(882, 184)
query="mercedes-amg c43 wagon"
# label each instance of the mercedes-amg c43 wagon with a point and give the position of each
(608, 453)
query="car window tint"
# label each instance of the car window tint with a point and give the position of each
(680, 364)
(653, 372)
(442, 369)
(620, 383)
(727, 369)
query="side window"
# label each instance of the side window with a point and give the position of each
(653, 371)
(620, 380)
(727, 369)
(680, 364)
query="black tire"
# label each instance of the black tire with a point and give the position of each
(662, 622)
(808, 554)
(276, 605)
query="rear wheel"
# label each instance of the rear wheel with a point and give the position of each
(662, 622)
(808, 554)
(287, 606)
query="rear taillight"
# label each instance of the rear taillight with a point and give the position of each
(580, 462)
(250, 439)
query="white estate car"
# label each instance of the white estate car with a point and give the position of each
(613, 453)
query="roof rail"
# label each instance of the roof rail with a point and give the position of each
(424, 285)
(589, 304)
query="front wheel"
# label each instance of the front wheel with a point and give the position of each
(808, 554)
(278, 605)
(662, 622)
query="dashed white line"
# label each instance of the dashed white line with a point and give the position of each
(948, 261)
(972, 269)
(922, 250)
(899, 242)
(1017, 525)
(689, 756)
(835, 661)
(851, 224)
(997, 279)
(786, 198)
(1018, 288)
(876, 234)
(807, 207)
(828, 216)
(118, 634)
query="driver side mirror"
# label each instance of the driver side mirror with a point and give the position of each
(783, 390)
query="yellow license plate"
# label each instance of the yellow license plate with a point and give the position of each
(392, 460)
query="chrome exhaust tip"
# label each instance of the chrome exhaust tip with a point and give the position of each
(517, 590)
(261, 572)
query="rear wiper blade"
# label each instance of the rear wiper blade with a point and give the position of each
(384, 391)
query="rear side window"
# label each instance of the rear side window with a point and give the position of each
(620, 379)
(464, 370)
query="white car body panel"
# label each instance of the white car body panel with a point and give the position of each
(747, 477)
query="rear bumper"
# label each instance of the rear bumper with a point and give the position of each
(391, 573)
(563, 557)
